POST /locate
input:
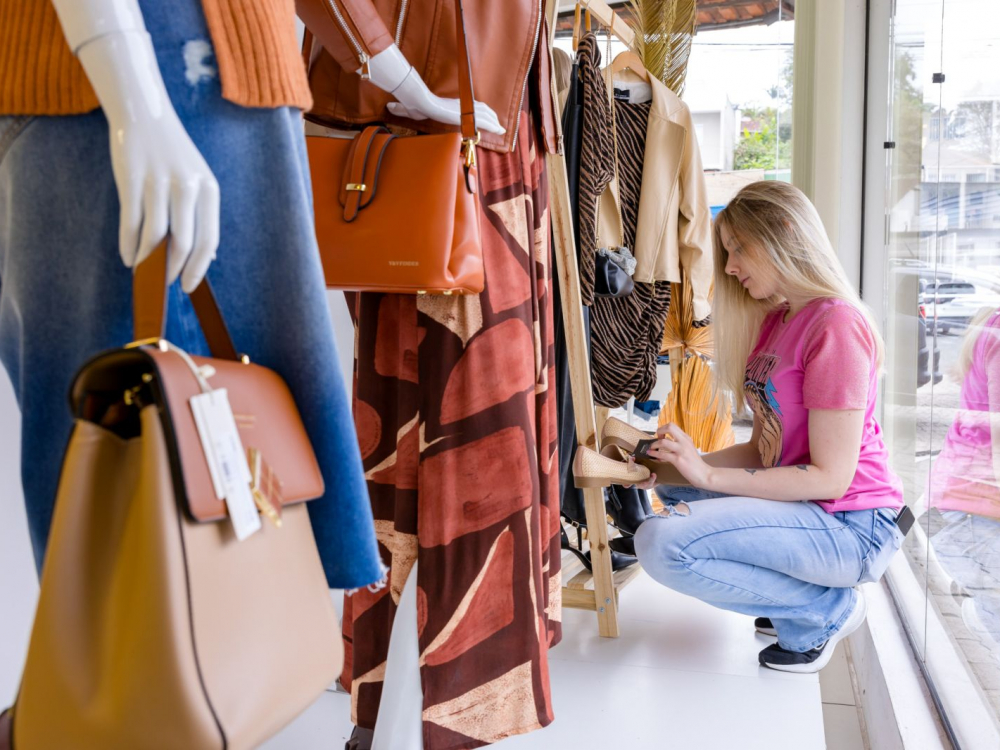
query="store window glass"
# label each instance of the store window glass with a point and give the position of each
(942, 323)
(738, 87)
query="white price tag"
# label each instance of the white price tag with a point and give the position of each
(227, 462)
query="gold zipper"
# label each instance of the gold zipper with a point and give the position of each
(362, 57)
(399, 24)
(524, 88)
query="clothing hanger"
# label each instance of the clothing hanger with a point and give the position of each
(582, 10)
(576, 28)
(628, 60)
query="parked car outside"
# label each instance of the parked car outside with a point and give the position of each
(951, 304)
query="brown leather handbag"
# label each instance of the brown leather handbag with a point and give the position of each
(155, 626)
(401, 214)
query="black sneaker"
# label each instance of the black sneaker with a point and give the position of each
(764, 625)
(808, 662)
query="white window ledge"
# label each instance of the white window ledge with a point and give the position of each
(897, 703)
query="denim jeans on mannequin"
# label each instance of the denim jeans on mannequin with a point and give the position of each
(790, 561)
(65, 295)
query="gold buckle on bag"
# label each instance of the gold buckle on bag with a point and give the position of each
(469, 150)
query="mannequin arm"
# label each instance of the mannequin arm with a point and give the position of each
(355, 27)
(164, 184)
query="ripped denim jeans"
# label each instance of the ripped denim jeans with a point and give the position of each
(789, 561)
(65, 294)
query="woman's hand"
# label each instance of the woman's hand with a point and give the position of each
(677, 448)
(649, 484)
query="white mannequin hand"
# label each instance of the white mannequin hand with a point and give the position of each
(164, 184)
(391, 72)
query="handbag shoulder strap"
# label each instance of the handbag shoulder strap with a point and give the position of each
(149, 306)
(466, 94)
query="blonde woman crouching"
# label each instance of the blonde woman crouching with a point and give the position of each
(787, 524)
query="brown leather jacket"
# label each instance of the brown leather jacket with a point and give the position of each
(506, 38)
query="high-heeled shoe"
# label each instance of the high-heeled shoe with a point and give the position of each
(624, 546)
(618, 562)
(593, 469)
(628, 507)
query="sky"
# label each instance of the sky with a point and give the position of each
(740, 63)
(971, 60)
(743, 63)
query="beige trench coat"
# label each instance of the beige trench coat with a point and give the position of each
(675, 222)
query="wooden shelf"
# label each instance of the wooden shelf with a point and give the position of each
(579, 593)
(597, 591)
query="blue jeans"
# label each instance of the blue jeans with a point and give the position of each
(65, 295)
(789, 561)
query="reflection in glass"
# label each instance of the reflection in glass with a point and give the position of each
(964, 492)
(941, 305)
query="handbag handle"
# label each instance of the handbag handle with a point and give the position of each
(466, 94)
(149, 306)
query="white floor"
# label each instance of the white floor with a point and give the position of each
(682, 674)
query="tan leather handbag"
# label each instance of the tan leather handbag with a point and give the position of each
(155, 627)
(401, 214)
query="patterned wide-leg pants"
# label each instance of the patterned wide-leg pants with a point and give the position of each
(456, 415)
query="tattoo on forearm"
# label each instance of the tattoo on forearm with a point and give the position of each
(804, 467)
(751, 472)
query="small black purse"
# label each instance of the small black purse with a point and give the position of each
(613, 272)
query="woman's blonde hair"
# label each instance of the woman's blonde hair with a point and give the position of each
(777, 225)
(976, 328)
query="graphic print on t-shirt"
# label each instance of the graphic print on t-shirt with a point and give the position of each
(762, 395)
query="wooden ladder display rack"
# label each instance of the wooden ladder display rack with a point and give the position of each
(597, 591)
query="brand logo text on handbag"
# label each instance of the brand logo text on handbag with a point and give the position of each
(404, 262)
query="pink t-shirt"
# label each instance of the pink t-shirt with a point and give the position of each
(963, 477)
(823, 358)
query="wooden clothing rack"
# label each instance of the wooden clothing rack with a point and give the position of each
(596, 591)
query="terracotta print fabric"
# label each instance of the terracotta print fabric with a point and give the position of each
(455, 411)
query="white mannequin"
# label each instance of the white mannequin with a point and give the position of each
(163, 182)
(164, 185)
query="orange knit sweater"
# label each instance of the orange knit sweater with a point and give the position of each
(255, 49)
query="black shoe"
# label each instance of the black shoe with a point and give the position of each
(628, 507)
(624, 545)
(776, 657)
(765, 626)
(809, 662)
(618, 562)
